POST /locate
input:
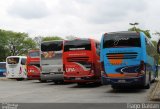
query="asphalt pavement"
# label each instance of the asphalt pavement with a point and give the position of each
(33, 91)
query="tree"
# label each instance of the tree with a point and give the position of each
(146, 32)
(14, 43)
(3, 43)
(19, 43)
(49, 38)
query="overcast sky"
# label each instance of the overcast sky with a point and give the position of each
(81, 18)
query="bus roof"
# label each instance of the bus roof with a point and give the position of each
(16, 57)
(52, 41)
(122, 32)
(83, 39)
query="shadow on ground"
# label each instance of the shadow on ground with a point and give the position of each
(128, 89)
(90, 85)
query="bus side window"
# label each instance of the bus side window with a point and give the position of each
(98, 48)
(23, 61)
(150, 48)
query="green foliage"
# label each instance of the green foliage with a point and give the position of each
(3, 43)
(49, 38)
(146, 32)
(14, 43)
(154, 43)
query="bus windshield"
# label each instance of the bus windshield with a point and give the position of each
(121, 40)
(52, 46)
(34, 54)
(14, 60)
(2, 65)
(83, 44)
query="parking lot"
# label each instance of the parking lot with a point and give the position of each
(32, 91)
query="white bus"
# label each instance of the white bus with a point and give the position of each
(16, 67)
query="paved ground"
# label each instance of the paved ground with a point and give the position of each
(155, 95)
(35, 92)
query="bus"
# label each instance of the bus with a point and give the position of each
(33, 65)
(51, 61)
(81, 61)
(128, 59)
(16, 67)
(2, 69)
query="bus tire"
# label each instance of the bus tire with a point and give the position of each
(56, 82)
(81, 84)
(42, 81)
(147, 86)
(20, 79)
(114, 87)
(153, 80)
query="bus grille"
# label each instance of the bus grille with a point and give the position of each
(127, 55)
(77, 59)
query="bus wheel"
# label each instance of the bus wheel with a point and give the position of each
(20, 79)
(56, 82)
(114, 87)
(42, 81)
(147, 86)
(81, 84)
(153, 80)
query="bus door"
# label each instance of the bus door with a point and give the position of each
(23, 68)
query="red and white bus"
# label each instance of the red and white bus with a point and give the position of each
(33, 64)
(81, 61)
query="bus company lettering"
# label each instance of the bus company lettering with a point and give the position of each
(119, 39)
(70, 70)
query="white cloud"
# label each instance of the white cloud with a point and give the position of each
(29, 9)
(82, 18)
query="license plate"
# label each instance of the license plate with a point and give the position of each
(78, 78)
(121, 81)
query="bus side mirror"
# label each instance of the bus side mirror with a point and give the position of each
(158, 47)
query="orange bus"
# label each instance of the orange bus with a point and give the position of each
(81, 61)
(33, 64)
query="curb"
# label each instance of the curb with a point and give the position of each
(153, 96)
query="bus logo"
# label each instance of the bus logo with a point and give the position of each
(70, 69)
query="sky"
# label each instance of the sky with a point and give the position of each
(80, 18)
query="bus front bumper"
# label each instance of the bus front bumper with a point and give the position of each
(124, 81)
(52, 76)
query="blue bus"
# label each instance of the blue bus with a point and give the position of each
(2, 69)
(128, 58)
